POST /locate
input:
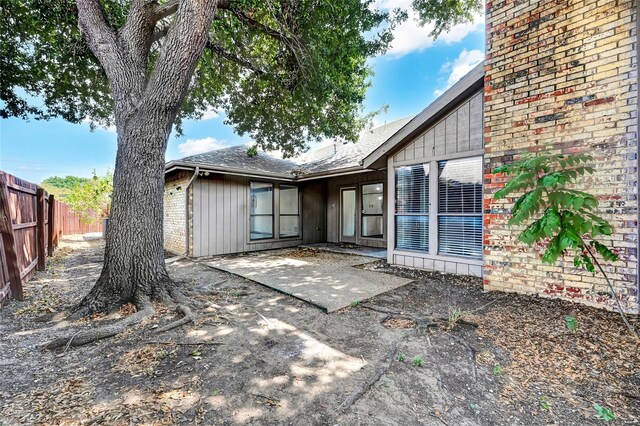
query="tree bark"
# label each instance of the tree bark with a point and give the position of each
(134, 256)
(146, 105)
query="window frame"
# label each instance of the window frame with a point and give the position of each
(280, 214)
(426, 215)
(363, 214)
(273, 208)
(433, 211)
(461, 215)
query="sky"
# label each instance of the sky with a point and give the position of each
(411, 75)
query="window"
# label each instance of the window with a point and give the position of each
(372, 210)
(261, 210)
(412, 207)
(289, 211)
(460, 207)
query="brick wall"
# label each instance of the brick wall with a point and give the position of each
(175, 212)
(563, 73)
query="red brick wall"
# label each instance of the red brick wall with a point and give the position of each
(561, 75)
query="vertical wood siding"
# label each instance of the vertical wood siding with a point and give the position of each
(459, 132)
(314, 212)
(221, 216)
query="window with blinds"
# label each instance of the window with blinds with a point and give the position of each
(412, 207)
(460, 207)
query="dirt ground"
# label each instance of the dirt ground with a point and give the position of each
(255, 356)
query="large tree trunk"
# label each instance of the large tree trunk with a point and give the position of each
(146, 105)
(134, 264)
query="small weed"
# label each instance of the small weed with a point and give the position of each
(236, 294)
(160, 355)
(571, 322)
(402, 357)
(497, 370)
(385, 383)
(355, 303)
(417, 361)
(196, 354)
(544, 403)
(455, 315)
(474, 407)
(604, 413)
(216, 392)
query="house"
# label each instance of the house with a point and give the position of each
(237, 203)
(558, 76)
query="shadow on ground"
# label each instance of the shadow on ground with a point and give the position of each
(258, 357)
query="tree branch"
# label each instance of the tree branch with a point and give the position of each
(265, 29)
(166, 9)
(214, 48)
(98, 33)
(179, 55)
(293, 45)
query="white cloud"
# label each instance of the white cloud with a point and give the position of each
(198, 146)
(410, 36)
(460, 67)
(210, 114)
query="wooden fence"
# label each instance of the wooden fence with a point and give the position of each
(31, 224)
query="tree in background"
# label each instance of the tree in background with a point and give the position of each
(61, 187)
(285, 72)
(91, 198)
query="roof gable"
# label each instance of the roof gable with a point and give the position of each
(436, 110)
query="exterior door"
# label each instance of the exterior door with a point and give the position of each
(348, 215)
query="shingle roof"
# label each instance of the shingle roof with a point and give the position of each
(331, 158)
(235, 157)
(347, 155)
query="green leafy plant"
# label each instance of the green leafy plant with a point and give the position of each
(355, 303)
(402, 357)
(454, 316)
(544, 403)
(417, 361)
(91, 198)
(572, 323)
(497, 370)
(604, 413)
(559, 217)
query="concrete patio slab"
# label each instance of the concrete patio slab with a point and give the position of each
(325, 279)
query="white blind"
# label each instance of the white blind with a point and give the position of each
(460, 236)
(412, 189)
(460, 186)
(412, 207)
(460, 207)
(412, 232)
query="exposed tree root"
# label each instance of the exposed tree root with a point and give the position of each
(425, 321)
(371, 380)
(187, 318)
(158, 342)
(145, 311)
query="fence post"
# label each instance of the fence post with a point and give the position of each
(8, 241)
(41, 237)
(52, 224)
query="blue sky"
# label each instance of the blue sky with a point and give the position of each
(409, 77)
